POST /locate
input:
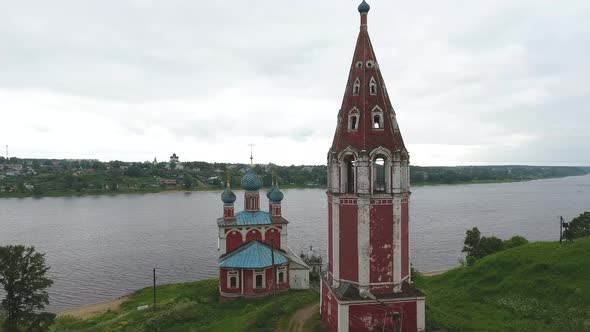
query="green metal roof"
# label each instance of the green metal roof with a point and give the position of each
(253, 255)
(245, 218)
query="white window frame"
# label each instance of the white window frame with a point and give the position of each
(377, 111)
(354, 113)
(373, 87)
(233, 274)
(356, 87)
(282, 269)
(259, 273)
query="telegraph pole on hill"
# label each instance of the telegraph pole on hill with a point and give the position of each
(154, 288)
(272, 255)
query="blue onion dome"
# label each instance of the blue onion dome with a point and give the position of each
(270, 191)
(251, 181)
(228, 196)
(276, 195)
(364, 7)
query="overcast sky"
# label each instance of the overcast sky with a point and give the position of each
(472, 82)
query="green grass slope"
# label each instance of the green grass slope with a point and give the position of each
(540, 286)
(194, 307)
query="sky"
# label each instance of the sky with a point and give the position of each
(472, 82)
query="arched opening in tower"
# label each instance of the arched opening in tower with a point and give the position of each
(380, 182)
(350, 174)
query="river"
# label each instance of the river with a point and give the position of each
(102, 247)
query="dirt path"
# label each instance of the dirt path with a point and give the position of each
(93, 309)
(301, 316)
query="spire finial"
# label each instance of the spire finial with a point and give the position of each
(251, 157)
(364, 7)
(228, 179)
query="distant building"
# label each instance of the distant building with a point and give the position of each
(174, 160)
(168, 183)
(255, 260)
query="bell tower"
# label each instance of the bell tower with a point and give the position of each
(368, 206)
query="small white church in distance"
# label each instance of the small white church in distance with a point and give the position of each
(255, 260)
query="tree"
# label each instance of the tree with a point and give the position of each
(477, 246)
(187, 181)
(21, 186)
(580, 225)
(471, 245)
(490, 245)
(134, 171)
(23, 277)
(39, 190)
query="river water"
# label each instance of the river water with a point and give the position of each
(102, 247)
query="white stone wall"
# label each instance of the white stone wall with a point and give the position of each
(299, 279)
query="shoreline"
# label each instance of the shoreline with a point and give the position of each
(286, 187)
(93, 310)
(433, 273)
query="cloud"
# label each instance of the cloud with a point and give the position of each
(472, 82)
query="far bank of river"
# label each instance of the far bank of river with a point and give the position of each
(103, 247)
(82, 193)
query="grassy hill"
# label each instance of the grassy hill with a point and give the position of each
(194, 307)
(541, 286)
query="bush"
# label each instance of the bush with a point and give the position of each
(477, 246)
(514, 241)
(580, 226)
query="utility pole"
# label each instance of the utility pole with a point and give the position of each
(154, 288)
(560, 228)
(274, 277)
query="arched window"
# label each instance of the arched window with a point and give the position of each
(372, 86)
(349, 174)
(377, 118)
(379, 175)
(353, 120)
(356, 87)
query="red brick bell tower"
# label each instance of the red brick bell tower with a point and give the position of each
(368, 284)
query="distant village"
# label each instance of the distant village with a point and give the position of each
(38, 177)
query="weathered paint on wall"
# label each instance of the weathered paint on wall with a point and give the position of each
(273, 237)
(381, 243)
(405, 239)
(329, 308)
(348, 243)
(379, 317)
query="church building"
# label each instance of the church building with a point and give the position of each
(255, 259)
(368, 284)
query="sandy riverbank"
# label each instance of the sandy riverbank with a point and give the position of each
(93, 310)
(433, 273)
